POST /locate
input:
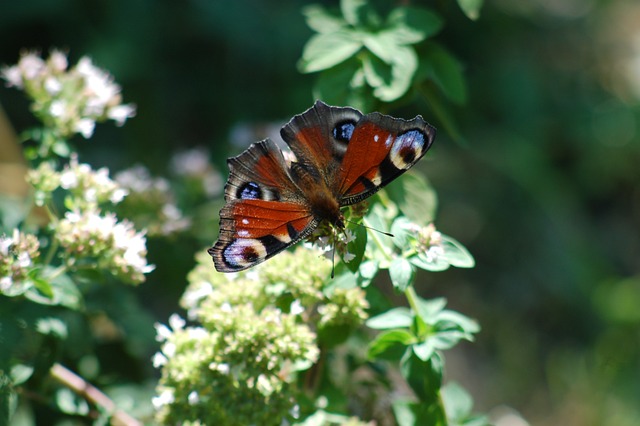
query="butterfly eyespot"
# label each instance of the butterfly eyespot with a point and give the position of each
(243, 253)
(344, 130)
(249, 191)
(406, 148)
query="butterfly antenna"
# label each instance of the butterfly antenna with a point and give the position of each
(333, 255)
(388, 234)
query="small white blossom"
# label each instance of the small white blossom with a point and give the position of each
(85, 127)
(31, 65)
(120, 113)
(169, 349)
(193, 398)
(5, 283)
(162, 332)
(166, 397)
(177, 322)
(348, 257)
(13, 76)
(159, 360)
(5, 243)
(58, 61)
(296, 307)
(52, 85)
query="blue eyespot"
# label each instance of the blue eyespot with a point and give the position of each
(249, 191)
(344, 130)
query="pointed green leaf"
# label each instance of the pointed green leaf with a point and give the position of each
(390, 344)
(410, 25)
(415, 197)
(456, 254)
(394, 318)
(321, 21)
(401, 273)
(439, 66)
(357, 247)
(324, 51)
(471, 8)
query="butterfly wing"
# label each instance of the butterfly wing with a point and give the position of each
(380, 149)
(265, 212)
(319, 137)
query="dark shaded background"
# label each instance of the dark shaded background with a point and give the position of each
(544, 191)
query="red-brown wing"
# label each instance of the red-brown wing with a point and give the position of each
(253, 230)
(319, 136)
(381, 148)
(265, 211)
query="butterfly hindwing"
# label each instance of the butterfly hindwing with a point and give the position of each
(253, 230)
(390, 145)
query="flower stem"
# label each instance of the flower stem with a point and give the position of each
(92, 394)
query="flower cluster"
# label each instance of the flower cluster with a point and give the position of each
(111, 245)
(87, 188)
(254, 338)
(17, 255)
(151, 202)
(70, 100)
(194, 168)
(428, 241)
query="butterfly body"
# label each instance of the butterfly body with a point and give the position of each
(341, 158)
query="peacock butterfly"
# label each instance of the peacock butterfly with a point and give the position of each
(341, 158)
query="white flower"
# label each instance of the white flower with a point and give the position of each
(24, 261)
(169, 349)
(68, 179)
(348, 257)
(85, 127)
(191, 162)
(120, 113)
(58, 61)
(193, 398)
(52, 85)
(348, 236)
(159, 360)
(13, 76)
(296, 308)
(176, 322)
(57, 108)
(221, 367)
(118, 195)
(5, 243)
(166, 397)
(31, 65)
(162, 332)
(98, 84)
(5, 283)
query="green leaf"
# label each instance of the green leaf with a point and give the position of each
(456, 254)
(382, 45)
(63, 291)
(394, 318)
(401, 272)
(403, 67)
(457, 402)
(52, 326)
(69, 403)
(429, 310)
(464, 323)
(424, 350)
(400, 228)
(366, 273)
(390, 344)
(410, 25)
(471, 8)
(321, 21)
(324, 51)
(337, 86)
(354, 11)
(409, 413)
(433, 264)
(439, 66)
(424, 377)
(20, 373)
(415, 197)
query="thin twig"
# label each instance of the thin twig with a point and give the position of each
(92, 394)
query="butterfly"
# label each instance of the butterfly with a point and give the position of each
(341, 158)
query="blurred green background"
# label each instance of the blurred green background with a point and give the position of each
(544, 189)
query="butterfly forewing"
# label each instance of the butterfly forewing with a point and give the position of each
(390, 145)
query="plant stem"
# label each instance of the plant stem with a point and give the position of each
(92, 394)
